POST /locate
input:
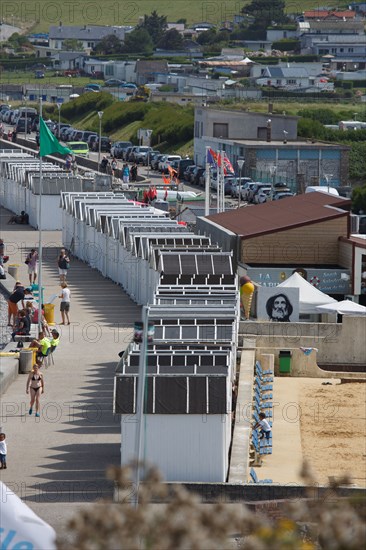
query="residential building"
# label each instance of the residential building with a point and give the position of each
(65, 61)
(280, 34)
(328, 14)
(88, 35)
(148, 71)
(123, 70)
(292, 78)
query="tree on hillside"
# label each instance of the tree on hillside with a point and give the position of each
(109, 44)
(156, 25)
(72, 45)
(266, 12)
(171, 40)
(138, 41)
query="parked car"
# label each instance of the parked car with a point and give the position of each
(255, 189)
(92, 87)
(105, 144)
(79, 148)
(163, 164)
(90, 141)
(127, 153)
(85, 135)
(68, 133)
(114, 82)
(76, 135)
(282, 195)
(62, 125)
(182, 165)
(187, 172)
(235, 186)
(20, 126)
(140, 154)
(246, 189)
(195, 174)
(39, 74)
(7, 115)
(14, 116)
(155, 161)
(147, 159)
(263, 195)
(118, 148)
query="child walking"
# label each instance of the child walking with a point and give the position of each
(3, 451)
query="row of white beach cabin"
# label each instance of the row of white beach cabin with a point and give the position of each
(20, 187)
(190, 289)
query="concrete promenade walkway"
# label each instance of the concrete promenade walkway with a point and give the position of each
(57, 462)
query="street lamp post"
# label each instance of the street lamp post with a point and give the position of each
(59, 118)
(26, 117)
(100, 115)
(328, 178)
(273, 170)
(241, 163)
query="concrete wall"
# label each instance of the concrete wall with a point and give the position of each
(308, 245)
(337, 343)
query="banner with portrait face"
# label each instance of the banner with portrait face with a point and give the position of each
(280, 305)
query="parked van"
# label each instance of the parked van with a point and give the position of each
(322, 189)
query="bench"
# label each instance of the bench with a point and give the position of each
(254, 477)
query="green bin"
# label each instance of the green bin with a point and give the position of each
(285, 361)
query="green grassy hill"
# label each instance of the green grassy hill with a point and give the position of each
(40, 14)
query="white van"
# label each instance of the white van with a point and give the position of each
(322, 189)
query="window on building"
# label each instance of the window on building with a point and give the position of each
(350, 50)
(341, 50)
(109, 70)
(291, 81)
(220, 130)
(197, 129)
(241, 151)
(90, 44)
(279, 81)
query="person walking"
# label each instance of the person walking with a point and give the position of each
(32, 263)
(65, 303)
(63, 262)
(3, 451)
(126, 174)
(114, 166)
(35, 386)
(134, 172)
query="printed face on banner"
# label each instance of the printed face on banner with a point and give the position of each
(281, 306)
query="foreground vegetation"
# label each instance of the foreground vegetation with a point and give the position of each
(318, 522)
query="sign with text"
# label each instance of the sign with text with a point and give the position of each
(329, 280)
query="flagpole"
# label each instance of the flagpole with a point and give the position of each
(222, 182)
(218, 183)
(40, 231)
(207, 185)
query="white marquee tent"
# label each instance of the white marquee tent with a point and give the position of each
(20, 527)
(310, 297)
(345, 307)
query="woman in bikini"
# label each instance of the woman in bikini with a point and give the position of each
(35, 385)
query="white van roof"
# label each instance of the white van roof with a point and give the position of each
(322, 189)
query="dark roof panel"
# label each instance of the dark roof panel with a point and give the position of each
(282, 215)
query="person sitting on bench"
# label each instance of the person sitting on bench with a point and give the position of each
(23, 325)
(42, 344)
(23, 219)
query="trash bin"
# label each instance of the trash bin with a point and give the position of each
(25, 361)
(285, 361)
(49, 313)
(13, 270)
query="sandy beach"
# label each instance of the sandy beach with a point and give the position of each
(333, 429)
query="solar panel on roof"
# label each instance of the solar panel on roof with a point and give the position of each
(222, 264)
(188, 264)
(204, 263)
(170, 264)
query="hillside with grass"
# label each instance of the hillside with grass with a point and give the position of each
(38, 15)
(172, 125)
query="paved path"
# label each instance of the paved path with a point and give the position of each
(57, 462)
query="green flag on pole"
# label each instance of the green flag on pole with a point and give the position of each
(48, 143)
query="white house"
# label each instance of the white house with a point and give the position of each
(88, 35)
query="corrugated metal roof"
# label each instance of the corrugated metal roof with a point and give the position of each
(288, 72)
(281, 215)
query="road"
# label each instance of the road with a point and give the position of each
(155, 177)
